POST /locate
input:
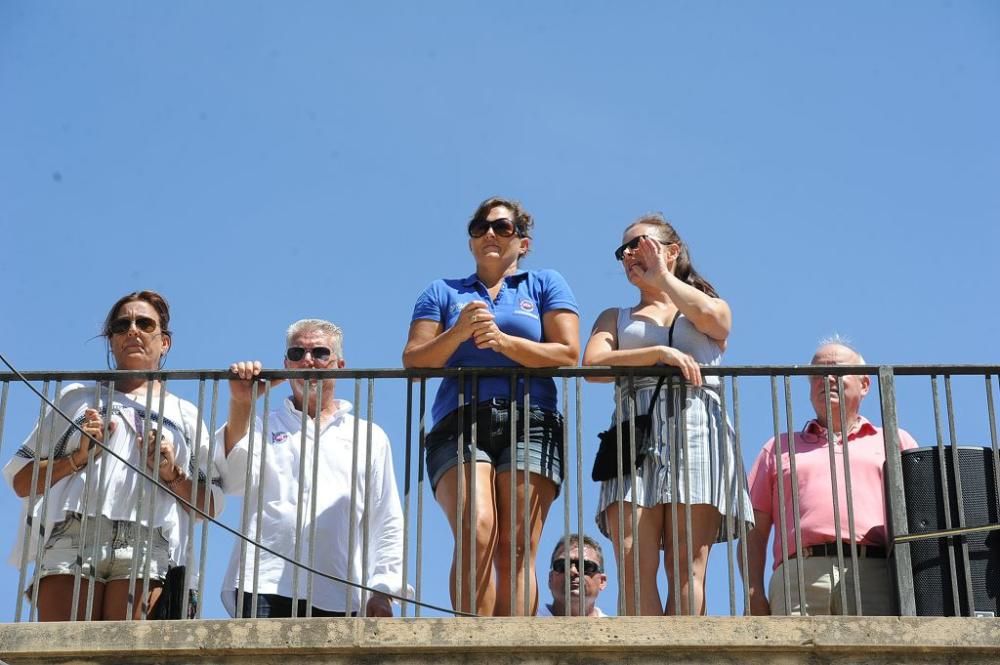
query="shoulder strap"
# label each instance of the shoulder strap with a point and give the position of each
(659, 384)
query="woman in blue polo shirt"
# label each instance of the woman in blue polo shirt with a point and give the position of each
(499, 316)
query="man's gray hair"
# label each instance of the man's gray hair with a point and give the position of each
(836, 339)
(571, 542)
(331, 330)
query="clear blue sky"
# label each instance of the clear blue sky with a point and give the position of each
(833, 166)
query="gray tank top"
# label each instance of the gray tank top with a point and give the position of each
(637, 333)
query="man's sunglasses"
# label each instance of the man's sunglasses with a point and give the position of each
(318, 353)
(631, 246)
(124, 324)
(589, 567)
(503, 227)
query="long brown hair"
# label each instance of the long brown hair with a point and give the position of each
(684, 270)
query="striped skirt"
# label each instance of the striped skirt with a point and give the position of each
(694, 452)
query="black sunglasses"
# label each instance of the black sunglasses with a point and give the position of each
(632, 244)
(503, 227)
(318, 353)
(589, 567)
(124, 324)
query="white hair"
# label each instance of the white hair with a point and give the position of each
(331, 330)
(836, 339)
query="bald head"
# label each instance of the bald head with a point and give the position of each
(855, 387)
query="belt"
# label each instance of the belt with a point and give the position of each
(830, 549)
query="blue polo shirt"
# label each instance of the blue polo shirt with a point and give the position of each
(524, 298)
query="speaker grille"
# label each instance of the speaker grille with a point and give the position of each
(935, 588)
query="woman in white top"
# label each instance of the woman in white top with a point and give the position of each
(679, 321)
(88, 502)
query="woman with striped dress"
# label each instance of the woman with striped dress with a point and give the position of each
(681, 322)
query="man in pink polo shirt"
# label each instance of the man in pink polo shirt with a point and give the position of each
(826, 582)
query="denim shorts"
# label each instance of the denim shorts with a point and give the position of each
(545, 441)
(120, 542)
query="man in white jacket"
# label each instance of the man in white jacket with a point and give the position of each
(303, 500)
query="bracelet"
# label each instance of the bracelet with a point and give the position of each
(72, 464)
(177, 478)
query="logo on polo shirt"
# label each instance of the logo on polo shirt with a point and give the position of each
(279, 437)
(526, 307)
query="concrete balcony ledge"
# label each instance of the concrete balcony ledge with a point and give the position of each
(510, 640)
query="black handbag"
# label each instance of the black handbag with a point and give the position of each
(606, 460)
(171, 602)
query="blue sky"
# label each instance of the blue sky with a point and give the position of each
(833, 167)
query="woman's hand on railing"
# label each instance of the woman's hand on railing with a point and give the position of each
(688, 366)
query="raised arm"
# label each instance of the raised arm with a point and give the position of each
(709, 315)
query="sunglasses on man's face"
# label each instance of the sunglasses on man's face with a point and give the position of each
(503, 227)
(631, 246)
(318, 353)
(124, 324)
(589, 567)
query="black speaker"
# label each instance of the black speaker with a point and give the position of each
(932, 558)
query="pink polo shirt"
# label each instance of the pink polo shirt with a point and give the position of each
(812, 470)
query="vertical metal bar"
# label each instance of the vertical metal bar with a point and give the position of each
(567, 526)
(194, 466)
(48, 474)
(526, 523)
(991, 414)
(31, 525)
(460, 497)
(635, 492)
(956, 468)
(78, 570)
(731, 493)
(155, 490)
(946, 493)
(247, 486)
(366, 515)
(741, 479)
(143, 498)
(87, 488)
(579, 469)
(620, 554)
(849, 495)
(512, 508)
(675, 439)
(300, 504)
(834, 484)
(689, 546)
(259, 517)
(896, 496)
(102, 476)
(421, 442)
(351, 530)
(782, 525)
(211, 471)
(473, 495)
(404, 609)
(796, 515)
(317, 431)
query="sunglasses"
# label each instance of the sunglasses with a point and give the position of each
(318, 353)
(503, 227)
(123, 325)
(589, 567)
(632, 244)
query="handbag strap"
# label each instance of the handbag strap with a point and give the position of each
(659, 384)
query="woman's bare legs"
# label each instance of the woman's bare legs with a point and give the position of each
(705, 522)
(485, 530)
(539, 492)
(650, 529)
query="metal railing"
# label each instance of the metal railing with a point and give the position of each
(759, 403)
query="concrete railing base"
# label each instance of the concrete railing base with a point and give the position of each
(639, 640)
